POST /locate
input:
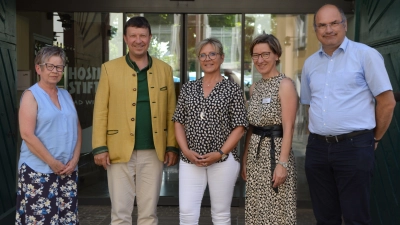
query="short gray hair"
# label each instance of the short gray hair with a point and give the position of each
(47, 52)
(212, 41)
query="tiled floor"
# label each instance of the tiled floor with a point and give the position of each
(169, 215)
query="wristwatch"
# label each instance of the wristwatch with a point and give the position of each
(284, 164)
(223, 155)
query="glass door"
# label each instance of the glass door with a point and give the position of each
(174, 40)
(224, 27)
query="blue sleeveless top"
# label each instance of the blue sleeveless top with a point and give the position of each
(56, 128)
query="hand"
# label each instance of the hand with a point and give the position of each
(279, 177)
(70, 167)
(193, 157)
(376, 145)
(244, 172)
(102, 159)
(57, 166)
(171, 158)
(210, 158)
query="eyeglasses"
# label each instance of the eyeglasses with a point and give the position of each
(264, 55)
(333, 25)
(50, 67)
(211, 55)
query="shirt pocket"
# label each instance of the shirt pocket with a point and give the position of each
(345, 81)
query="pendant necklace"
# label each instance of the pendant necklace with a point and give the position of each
(202, 115)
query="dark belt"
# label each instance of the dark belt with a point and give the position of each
(341, 137)
(271, 132)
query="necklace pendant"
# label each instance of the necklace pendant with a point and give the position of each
(202, 115)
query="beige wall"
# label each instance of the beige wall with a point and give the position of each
(31, 25)
(23, 62)
(292, 59)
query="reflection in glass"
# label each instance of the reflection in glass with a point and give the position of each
(224, 27)
(165, 42)
(115, 32)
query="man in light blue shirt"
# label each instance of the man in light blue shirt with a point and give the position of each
(351, 102)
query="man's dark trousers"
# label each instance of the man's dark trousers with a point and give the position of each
(339, 177)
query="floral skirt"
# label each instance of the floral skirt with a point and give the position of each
(44, 198)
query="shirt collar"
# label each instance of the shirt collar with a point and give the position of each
(342, 46)
(133, 65)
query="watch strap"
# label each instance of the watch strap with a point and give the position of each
(223, 155)
(284, 164)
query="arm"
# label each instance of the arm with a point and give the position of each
(289, 104)
(171, 154)
(100, 121)
(379, 84)
(27, 124)
(180, 134)
(247, 143)
(71, 165)
(232, 141)
(229, 145)
(236, 114)
(385, 104)
(245, 152)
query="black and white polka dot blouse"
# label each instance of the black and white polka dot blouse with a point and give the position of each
(209, 121)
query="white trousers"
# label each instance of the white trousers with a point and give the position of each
(140, 177)
(221, 179)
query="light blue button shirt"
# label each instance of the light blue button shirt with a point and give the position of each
(340, 89)
(56, 128)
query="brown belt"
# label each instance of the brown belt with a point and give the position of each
(341, 137)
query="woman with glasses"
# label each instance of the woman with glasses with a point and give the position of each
(210, 119)
(51, 133)
(268, 164)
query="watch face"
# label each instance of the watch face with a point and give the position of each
(223, 157)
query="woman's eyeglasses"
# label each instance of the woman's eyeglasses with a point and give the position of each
(264, 55)
(211, 55)
(50, 67)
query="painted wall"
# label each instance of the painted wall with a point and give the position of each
(8, 111)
